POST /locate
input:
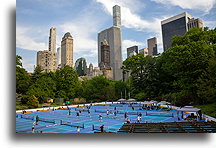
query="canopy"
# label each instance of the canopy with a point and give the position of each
(121, 100)
(131, 100)
(147, 102)
(189, 109)
(164, 103)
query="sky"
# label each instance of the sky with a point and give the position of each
(84, 19)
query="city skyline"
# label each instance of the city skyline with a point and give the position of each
(139, 22)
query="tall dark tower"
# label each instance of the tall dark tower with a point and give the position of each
(105, 54)
(105, 60)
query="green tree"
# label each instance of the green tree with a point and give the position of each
(66, 82)
(187, 60)
(22, 77)
(98, 88)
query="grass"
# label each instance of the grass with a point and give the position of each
(208, 109)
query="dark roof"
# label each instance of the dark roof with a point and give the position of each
(169, 127)
(67, 34)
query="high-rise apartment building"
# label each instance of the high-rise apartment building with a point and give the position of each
(81, 67)
(132, 51)
(144, 51)
(114, 38)
(46, 61)
(177, 26)
(67, 50)
(152, 46)
(52, 40)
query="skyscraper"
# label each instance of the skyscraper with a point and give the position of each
(47, 59)
(177, 26)
(131, 50)
(105, 60)
(152, 46)
(52, 40)
(67, 50)
(117, 16)
(81, 67)
(114, 39)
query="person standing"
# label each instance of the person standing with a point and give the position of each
(102, 128)
(100, 117)
(125, 115)
(37, 119)
(78, 129)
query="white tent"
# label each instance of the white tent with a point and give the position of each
(121, 100)
(131, 100)
(189, 109)
(164, 103)
(146, 102)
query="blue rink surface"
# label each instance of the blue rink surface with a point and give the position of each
(91, 121)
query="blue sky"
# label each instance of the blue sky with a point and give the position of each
(85, 18)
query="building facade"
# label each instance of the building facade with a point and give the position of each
(52, 40)
(58, 55)
(46, 60)
(144, 51)
(152, 46)
(132, 51)
(177, 26)
(67, 50)
(81, 67)
(114, 38)
(105, 60)
(117, 16)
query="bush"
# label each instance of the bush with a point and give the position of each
(32, 102)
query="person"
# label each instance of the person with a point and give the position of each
(140, 114)
(132, 108)
(53, 109)
(78, 129)
(127, 120)
(107, 112)
(69, 112)
(37, 119)
(80, 111)
(88, 112)
(125, 115)
(100, 117)
(77, 114)
(33, 128)
(102, 128)
(115, 113)
(115, 108)
(138, 119)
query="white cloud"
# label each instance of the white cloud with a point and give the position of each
(83, 30)
(202, 5)
(130, 19)
(25, 41)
